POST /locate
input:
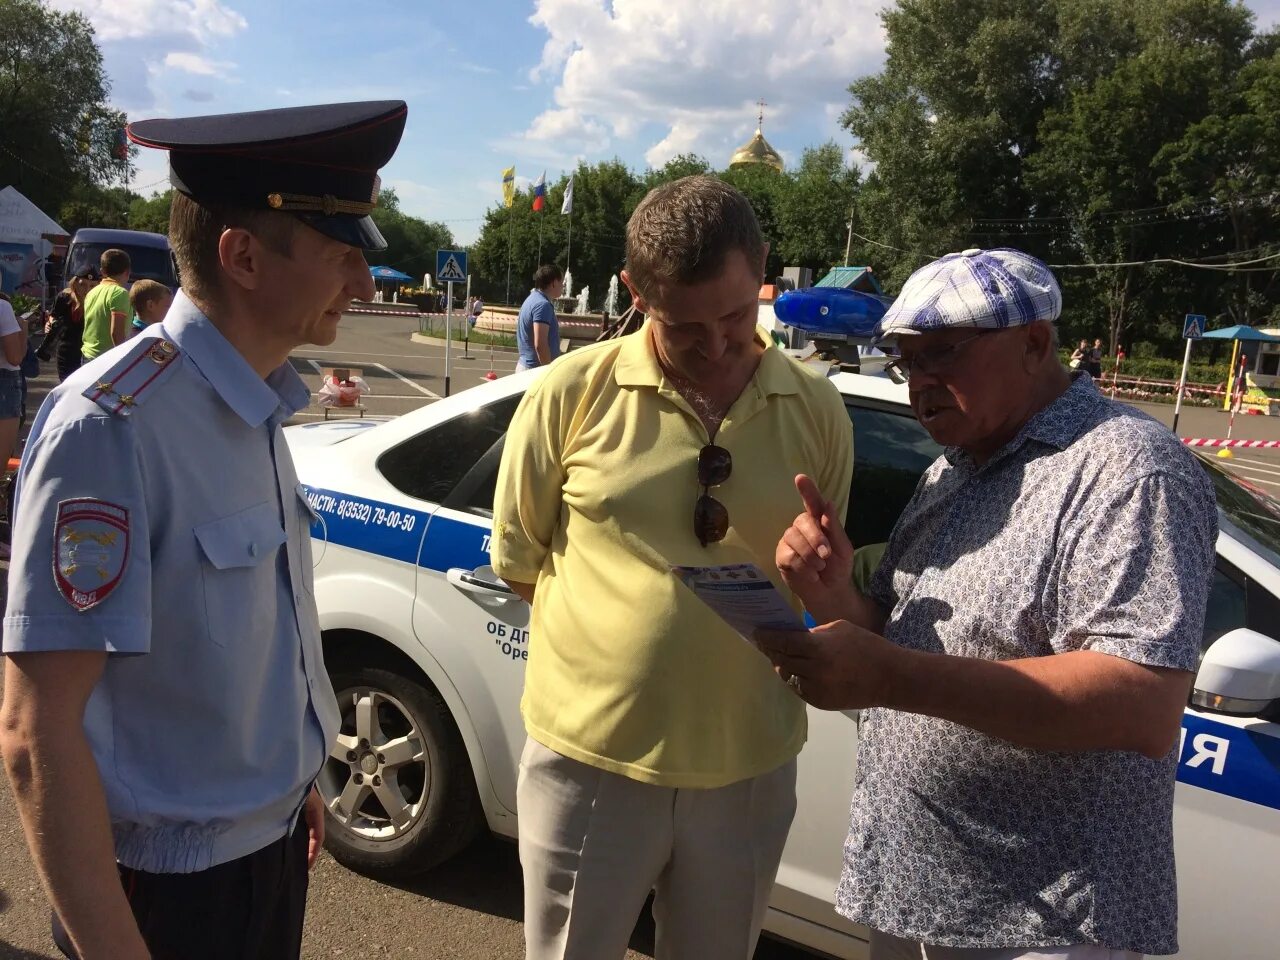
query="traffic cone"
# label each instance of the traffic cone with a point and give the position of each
(491, 375)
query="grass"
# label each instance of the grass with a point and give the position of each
(432, 328)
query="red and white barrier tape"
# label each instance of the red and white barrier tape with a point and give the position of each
(1252, 444)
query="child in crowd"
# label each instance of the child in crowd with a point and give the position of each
(150, 301)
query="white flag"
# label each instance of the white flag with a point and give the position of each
(567, 206)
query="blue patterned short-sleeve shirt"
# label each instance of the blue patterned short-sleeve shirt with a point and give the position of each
(1094, 529)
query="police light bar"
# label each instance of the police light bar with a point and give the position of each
(832, 312)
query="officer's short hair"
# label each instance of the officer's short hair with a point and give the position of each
(114, 263)
(546, 275)
(195, 228)
(683, 231)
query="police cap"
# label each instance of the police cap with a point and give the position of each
(319, 163)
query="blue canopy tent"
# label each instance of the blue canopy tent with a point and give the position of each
(1238, 333)
(389, 273)
(1241, 332)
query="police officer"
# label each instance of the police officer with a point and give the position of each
(166, 706)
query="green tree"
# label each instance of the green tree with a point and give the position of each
(411, 241)
(948, 122)
(59, 133)
(151, 214)
(89, 205)
(813, 219)
(768, 190)
(604, 194)
(1041, 124)
(1233, 157)
(1098, 155)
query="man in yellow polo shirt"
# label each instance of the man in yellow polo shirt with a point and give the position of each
(662, 746)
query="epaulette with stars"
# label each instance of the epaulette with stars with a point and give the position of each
(135, 375)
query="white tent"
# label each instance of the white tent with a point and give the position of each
(24, 243)
(21, 221)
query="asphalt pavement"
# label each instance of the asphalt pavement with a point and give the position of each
(471, 906)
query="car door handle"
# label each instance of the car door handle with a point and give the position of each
(468, 581)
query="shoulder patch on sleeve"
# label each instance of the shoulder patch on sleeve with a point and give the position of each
(134, 377)
(90, 550)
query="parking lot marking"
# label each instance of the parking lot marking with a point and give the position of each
(1253, 479)
(383, 367)
(1261, 463)
(1244, 469)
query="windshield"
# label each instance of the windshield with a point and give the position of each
(146, 263)
(1248, 508)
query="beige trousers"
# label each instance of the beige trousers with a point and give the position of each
(593, 844)
(885, 946)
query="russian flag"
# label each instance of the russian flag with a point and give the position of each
(540, 192)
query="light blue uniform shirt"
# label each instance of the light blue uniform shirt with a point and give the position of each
(536, 309)
(189, 563)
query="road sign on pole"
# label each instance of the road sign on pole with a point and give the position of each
(448, 333)
(1192, 330)
(451, 266)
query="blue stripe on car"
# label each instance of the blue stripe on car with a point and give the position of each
(1215, 756)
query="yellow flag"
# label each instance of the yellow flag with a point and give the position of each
(509, 186)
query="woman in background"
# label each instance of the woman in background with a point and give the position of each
(65, 332)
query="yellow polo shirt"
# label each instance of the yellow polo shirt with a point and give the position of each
(628, 671)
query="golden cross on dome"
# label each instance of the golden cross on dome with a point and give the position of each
(760, 119)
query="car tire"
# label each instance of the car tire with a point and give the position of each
(398, 789)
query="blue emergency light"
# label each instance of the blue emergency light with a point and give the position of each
(831, 312)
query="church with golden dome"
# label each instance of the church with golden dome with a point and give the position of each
(757, 149)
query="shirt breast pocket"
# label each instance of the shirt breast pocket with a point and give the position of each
(238, 571)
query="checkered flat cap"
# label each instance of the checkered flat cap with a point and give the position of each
(977, 288)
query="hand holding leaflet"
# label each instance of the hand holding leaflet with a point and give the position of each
(748, 601)
(743, 596)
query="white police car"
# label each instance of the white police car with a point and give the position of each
(426, 650)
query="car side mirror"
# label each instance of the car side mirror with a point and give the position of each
(1240, 676)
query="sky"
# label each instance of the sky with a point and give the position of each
(538, 84)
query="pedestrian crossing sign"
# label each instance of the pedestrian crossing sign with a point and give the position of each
(1193, 328)
(451, 266)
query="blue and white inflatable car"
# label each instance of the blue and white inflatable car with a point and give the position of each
(426, 650)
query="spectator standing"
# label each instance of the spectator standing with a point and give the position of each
(537, 327)
(107, 313)
(166, 706)
(661, 750)
(1026, 645)
(64, 338)
(1080, 356)
(150, 302)
(13, 347)
(1095, 360)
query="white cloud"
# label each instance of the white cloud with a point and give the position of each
(133, 19)
(142, 40)
(692, 71)
(194, 63)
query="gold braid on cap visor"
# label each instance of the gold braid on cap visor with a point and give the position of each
(327, 204)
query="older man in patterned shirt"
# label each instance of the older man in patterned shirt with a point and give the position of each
(1025, 648)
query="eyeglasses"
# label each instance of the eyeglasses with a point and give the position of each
(938, 360)
(710, 518)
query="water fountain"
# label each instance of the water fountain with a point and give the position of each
(581, 309)
(611, 297)
(568, 284)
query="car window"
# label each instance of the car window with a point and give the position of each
(145, 263)
(890, 452)
(432, 464)
(1227, 609)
